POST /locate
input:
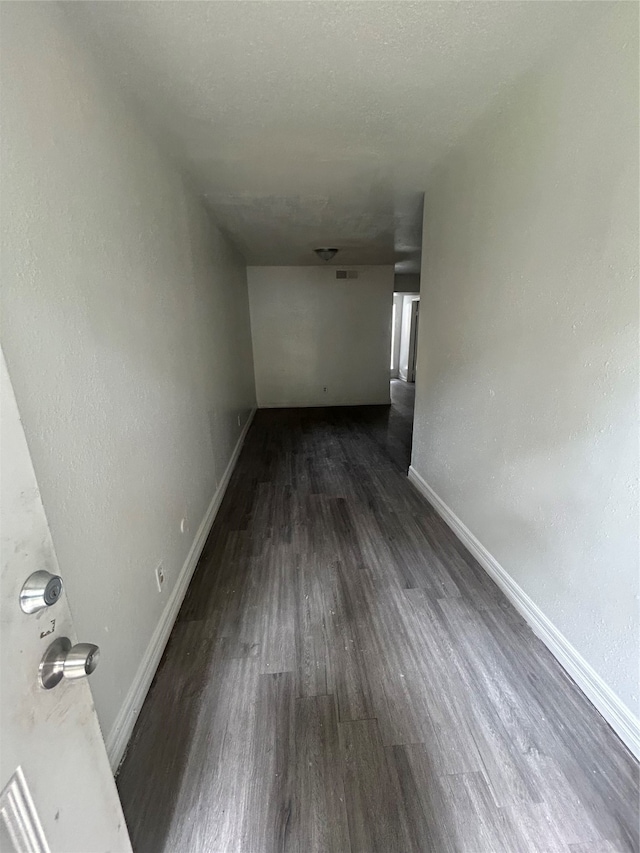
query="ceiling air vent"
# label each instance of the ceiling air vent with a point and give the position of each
(346, 273)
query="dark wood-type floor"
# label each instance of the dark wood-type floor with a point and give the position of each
(343, 676)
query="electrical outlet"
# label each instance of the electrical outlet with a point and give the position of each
(159, 577)
(325, 389)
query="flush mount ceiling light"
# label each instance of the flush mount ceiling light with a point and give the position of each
(326, 254)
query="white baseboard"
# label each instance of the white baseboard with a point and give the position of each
(615, 712)
(324, 404)
(118, 738)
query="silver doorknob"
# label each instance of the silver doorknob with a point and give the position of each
(40, 590)
(62, 660)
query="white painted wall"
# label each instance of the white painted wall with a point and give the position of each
(311, 331)
(406, 283)
(527, 388)
(127, 337)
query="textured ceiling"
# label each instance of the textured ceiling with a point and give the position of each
(309, 124)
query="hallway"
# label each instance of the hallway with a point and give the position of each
(344, 677)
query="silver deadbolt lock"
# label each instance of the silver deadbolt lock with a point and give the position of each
(40, 590)
(62, 660)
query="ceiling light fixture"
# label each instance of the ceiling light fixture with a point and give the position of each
(326, 254)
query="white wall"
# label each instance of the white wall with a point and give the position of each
(127, 337)
(407, 282)
(311, 332)
(527, 387)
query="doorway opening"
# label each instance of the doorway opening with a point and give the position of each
(405, 317)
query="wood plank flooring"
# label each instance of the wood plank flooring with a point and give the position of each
(344, 677)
